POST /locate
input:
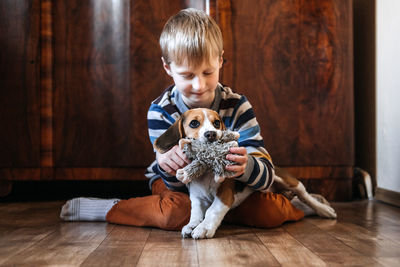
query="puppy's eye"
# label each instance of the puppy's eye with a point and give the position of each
(194, 124)
(217, 124)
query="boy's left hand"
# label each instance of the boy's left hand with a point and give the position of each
(239, 156)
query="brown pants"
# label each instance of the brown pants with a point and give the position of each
(170, 210)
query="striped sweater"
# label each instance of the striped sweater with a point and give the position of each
(237, 115)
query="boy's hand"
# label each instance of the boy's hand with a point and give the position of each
(239, 156)
(172, 160)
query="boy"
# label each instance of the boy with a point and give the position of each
(191, 44)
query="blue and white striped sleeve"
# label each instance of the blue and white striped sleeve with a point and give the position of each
(159, 120)
(259, 173)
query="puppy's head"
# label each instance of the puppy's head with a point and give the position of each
(201, 123)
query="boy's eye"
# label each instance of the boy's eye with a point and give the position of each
(194, 124)
(217, 124)
(188, 76)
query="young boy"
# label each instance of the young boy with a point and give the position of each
(192, 50)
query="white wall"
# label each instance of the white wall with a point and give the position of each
(388, 94)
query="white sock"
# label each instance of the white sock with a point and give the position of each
(87, 209)
(302, 206)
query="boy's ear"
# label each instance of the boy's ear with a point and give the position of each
(221, 59)
(170, 137)
(166, 66)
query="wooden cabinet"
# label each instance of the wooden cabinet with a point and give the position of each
(78, 77)
(294, 61)
(19, 84)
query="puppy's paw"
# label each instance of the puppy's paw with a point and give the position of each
(182, 176)
(187, 230)
(326, 211)
(219, 179)
(183, 142)
(320, 199)
(201, 232)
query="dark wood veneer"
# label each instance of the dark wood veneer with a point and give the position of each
(77, 78)
(19, 84)
(293, 60)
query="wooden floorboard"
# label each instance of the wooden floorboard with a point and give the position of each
(367, 233)
(333, 251)
(122, 247)
(167, 248)
(288, 250)
(235, 246)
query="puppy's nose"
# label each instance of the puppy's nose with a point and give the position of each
(210, 135)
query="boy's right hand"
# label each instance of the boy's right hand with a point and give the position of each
(172, 160)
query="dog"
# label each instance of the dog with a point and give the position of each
(210, 199)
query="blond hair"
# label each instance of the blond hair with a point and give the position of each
(191, 36)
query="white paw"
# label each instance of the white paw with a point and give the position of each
(219, 179)
(201, 232)
(326, 211)
(182, 176)
(187, 230)
(320, 199)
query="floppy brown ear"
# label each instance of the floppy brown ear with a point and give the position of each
(170, 137)
(223, 127)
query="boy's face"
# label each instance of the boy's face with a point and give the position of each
(196, 84)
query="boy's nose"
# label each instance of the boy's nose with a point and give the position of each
(198, 83)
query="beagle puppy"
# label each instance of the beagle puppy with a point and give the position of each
(211, 199)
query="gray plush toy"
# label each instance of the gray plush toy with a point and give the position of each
(208, 156)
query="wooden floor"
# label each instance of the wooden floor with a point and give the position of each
(366, 234)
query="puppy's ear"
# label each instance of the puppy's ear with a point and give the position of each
(170, 137)
(223, 127)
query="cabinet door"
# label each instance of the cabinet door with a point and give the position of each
(293, 59)
(19, 84)
(107, 70)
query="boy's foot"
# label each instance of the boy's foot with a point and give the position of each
(87, 209)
